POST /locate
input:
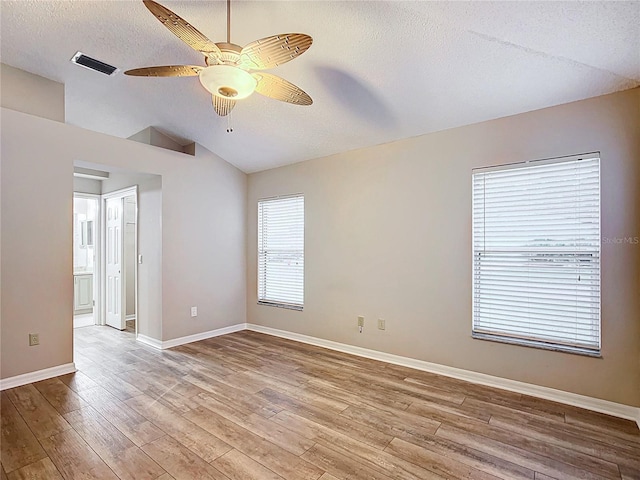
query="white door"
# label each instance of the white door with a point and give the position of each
(115, 315)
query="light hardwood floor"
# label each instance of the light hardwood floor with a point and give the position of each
(251, 406)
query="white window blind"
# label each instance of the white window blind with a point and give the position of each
(281, 251)
(536, 254)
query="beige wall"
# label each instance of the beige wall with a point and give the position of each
(36, 265)
(388, 235)
(30, 93)
(202, 261)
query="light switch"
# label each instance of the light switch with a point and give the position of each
(139, 258)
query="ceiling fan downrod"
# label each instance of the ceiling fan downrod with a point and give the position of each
(228, 21)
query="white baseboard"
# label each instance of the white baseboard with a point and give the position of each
(130, 317)
(582, 401)
(152, 342)
(38, 375)
(160, 345)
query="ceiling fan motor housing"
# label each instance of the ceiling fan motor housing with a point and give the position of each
(223, 78)
(230, 54)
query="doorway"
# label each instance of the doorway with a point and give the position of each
(138, 200)
(86, 255)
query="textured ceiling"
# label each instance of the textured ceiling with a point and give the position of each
(377, 71)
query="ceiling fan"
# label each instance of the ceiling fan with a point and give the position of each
(228, 72)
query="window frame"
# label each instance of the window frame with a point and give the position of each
(278, 302)
(592, 351)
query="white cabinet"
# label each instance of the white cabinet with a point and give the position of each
(82, 293)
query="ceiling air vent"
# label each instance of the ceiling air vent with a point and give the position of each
(93, 64)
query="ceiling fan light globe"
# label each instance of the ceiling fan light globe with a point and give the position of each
(227, 81)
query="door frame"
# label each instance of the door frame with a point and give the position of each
(97, 262)
(122, 193)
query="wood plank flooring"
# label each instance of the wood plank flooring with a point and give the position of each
(250, 406)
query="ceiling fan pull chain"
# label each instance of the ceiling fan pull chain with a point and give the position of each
(229, 127)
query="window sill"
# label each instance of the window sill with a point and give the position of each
(537, 344)
(281, 305)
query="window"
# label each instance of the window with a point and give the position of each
(536, 254)
(86, 233)
(281, 252)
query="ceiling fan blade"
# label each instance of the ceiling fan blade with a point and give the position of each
(278, 88)
(272, 51)
(166, 71)
(183, 30)
(222, 106)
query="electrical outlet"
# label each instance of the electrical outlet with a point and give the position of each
(361, 321)
(34, 339)
(381, 324)
(194, 311)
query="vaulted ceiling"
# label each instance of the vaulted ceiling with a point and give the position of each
(377, 71)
